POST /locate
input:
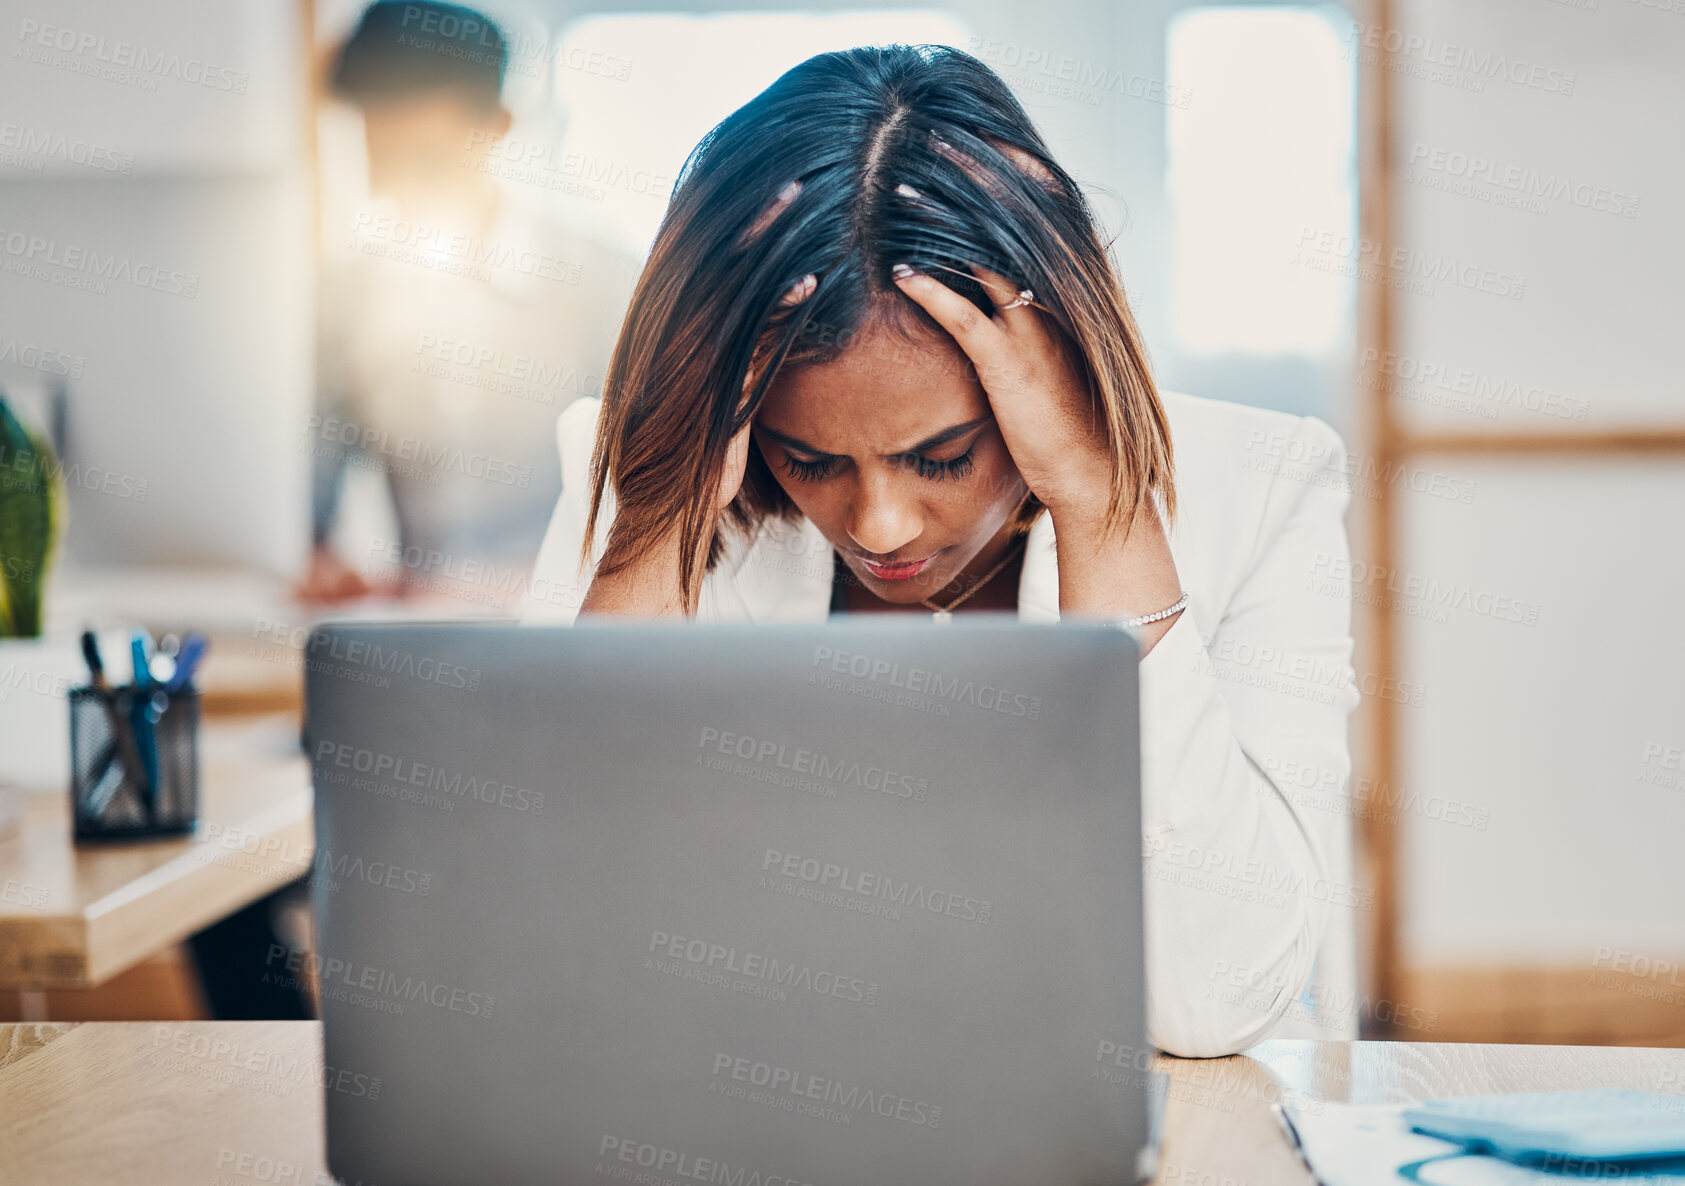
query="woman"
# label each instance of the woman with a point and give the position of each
(879, 361)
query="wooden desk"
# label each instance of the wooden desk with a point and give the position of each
(76, 1101)
(72, 917)
(246, 674)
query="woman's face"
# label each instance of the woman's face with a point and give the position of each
(892, 451)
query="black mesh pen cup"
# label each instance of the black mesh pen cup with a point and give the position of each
(134, 762)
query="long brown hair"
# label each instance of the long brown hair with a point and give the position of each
(915, 154)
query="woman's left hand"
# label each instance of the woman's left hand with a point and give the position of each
(1051, 427)
(1058, 442)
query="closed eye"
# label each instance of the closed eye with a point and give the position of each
(929, 468)
(808, 471)
(941, 471)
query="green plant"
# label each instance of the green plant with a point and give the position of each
(31, 512)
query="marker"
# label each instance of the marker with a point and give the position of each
(120, 761)
(146, 737)
(193, 648)
(96, 665)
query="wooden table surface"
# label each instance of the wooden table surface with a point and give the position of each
(72, 917)
(238, 1103)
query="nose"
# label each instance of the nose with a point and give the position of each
(881, 517)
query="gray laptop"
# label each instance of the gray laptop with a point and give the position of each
(773, 905)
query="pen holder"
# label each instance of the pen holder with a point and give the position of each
(134, 762)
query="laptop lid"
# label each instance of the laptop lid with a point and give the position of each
(766, 905)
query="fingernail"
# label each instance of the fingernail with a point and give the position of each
(789, 192)
(907, 191)
(800, 290)
(901, 271)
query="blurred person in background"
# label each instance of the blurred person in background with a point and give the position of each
(455, 321)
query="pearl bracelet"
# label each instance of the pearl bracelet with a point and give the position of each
(1147, 619)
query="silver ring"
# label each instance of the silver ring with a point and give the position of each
(1025, 296)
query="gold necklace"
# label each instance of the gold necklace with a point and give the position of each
(942, 615)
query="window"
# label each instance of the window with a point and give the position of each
(619, 76)
(1261, 160)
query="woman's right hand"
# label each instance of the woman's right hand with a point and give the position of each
(650, 587)
(736, 464)
(737, 453)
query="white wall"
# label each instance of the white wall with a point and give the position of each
(185, 398)
(1544, 727)
(202, 399)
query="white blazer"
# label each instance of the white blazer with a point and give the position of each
(1244, 705)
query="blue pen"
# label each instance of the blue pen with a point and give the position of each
(137, 651)
(193, 647)
(145, 736)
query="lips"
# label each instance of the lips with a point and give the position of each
(904, 571)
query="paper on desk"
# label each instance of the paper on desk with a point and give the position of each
(1356, 1145)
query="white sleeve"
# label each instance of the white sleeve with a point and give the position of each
(558, 584)
(1238, 888)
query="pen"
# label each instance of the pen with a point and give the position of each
(137, 653)
(96, 666)
(105, 787)
(105, 784)
(193, 648)
(145, 736)
(131, 766)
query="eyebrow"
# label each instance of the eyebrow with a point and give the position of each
(935, 440)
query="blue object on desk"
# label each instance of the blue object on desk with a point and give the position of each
(137, 655)
(193, 649)
(1606, 1124)
(146, 737)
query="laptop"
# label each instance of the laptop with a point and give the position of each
(761, 905)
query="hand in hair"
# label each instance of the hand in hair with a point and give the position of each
(650, 585)
(1052, 428)
(1047, 418)
(737, 453)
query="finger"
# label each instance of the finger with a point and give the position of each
(1021, 160)
(743, 397)
(1003, 292)
(800, 290)
(984, 342)
(1033, 337)
(794, 295)
(780, 202)
(750, 378)
(732, 469)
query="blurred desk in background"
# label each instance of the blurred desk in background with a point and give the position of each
(221, 601)
(258, 630)
(70, 1096)
(73, 917)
